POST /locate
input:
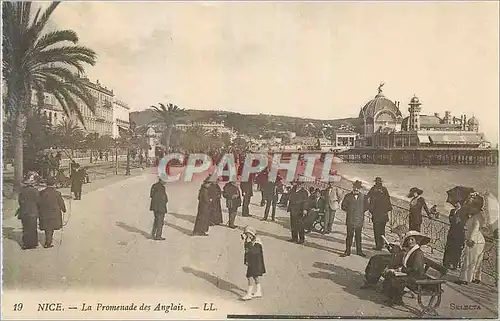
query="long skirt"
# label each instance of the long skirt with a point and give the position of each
(202, 222)
(471, 266)
(216, 213)
(453, 251)
(30, 232)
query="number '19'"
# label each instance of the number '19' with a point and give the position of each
(18, 307)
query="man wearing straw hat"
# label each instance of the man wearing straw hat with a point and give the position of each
(412, 266)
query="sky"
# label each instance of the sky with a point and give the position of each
(320, 60)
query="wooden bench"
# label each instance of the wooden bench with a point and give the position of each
(429, 287)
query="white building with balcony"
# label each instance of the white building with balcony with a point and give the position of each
(121, 116)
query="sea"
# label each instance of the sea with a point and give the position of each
(433, 180)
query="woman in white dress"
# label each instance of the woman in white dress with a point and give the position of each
(474, 240)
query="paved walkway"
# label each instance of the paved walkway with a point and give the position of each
(106, 247)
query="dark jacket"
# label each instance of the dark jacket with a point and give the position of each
(51, 206)
(355, 209)
(415, 265)
(232, 194)
(380, 203)
(317, 204)
(159, 198)
(298, 202)
(270, 190)
(247, 188)
(254, 259)
(416, 208)
(28, 202)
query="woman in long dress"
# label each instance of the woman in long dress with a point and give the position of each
(215, 208)
(417, 203)
(202, 222)
(474, 239)
(456, 237)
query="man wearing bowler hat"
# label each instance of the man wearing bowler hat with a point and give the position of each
(379, 206)
(354, 204)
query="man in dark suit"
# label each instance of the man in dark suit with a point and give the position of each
(297, 205)
(159, 200)
(247, 193)
(77, 179)
(354, 204)
(380, 205)
(270, 192)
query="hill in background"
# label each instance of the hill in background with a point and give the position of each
(260, 125)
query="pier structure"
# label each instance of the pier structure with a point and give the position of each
(421, 156)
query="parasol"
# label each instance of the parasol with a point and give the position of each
(458, 194)
(491, 210)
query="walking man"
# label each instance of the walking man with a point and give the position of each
(51, 206)
(231, 193)
(247, 193)
(158, 205)
(380, 205)
(270, 196)
(77, 178)
(354, 204)
(297, 205)
(332, 198)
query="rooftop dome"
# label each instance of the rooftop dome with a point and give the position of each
(415, 100)
(378, 104)
(473, 121)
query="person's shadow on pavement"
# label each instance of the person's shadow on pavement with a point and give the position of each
(11, 234)
(132, 229)
(218, 282)
(350, 280)
(17, 235)
(184, 217)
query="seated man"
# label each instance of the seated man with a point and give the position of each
(315, 205)
(411, 266)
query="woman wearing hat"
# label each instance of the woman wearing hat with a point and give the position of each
(254, 260)
(412, 266)
(202, 222)
(51, 207)
(28, 210)
(474, 240)
(417, 203)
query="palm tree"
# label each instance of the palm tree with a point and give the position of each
(167, 116)
(39, 62)
(69, 135)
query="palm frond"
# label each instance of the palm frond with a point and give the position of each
(54, 37)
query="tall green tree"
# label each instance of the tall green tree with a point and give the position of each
(44, 62)
(167, 117)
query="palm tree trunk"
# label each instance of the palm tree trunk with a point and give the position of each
(19, 128)
(91, 151)
(168, 134)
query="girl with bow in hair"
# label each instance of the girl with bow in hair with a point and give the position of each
(254, 260)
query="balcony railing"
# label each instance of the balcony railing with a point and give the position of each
(436, 229)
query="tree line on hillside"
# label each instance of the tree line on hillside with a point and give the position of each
(261, 126)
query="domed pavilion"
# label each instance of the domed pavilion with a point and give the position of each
(380, 115)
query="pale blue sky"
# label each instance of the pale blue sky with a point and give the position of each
(318, 60)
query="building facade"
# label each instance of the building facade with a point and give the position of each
(121, 114)
(109, 112)
(383, 126)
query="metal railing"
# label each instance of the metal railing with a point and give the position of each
(435, 228)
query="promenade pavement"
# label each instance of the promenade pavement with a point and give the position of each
(105, 247)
